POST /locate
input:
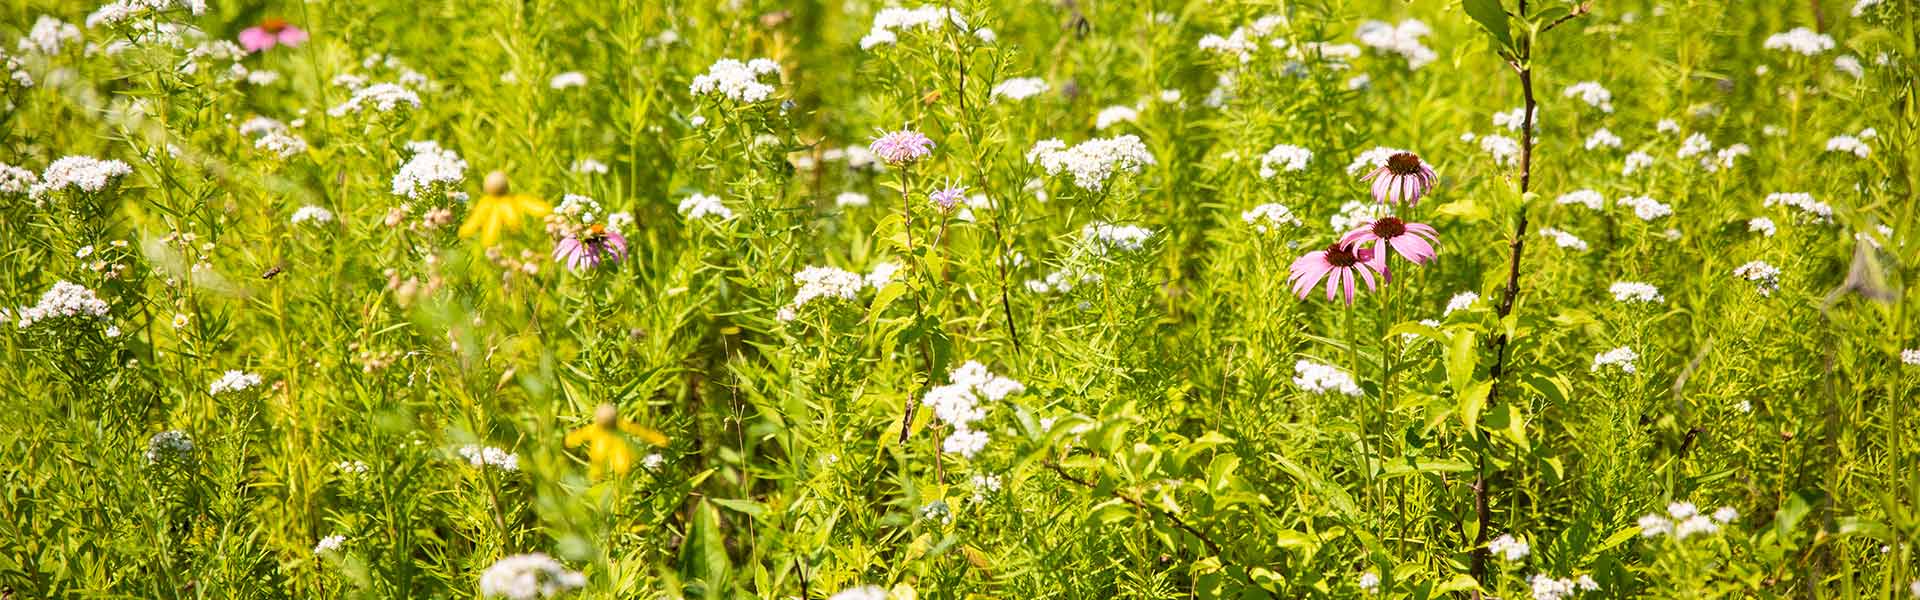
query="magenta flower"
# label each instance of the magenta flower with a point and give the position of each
(902, 147)
(1338, 265)
(1403, 179)
(270, 32)
(598, 245)
(1416, 242)
(948, 197)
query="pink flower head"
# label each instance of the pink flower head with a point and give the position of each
(902, 147)
(270, 32)
(1403, 179)
(948, 197)
(599, 244)
(1414, 241)
(1338, 265)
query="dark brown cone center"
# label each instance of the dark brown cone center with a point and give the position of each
(1389, 227)
(1340, 256)
(1404, 163)
(273, 24)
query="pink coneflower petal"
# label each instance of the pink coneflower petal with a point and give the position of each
(293, 36)
(255, 39)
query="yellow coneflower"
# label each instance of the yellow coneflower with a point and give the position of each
(606, 439)
(499, 209)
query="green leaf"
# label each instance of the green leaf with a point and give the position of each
(1462, 357)
(703, 557)
(1472, 401)
(1492, 18)
(749, 507)
(1465, 209)
(885, 298)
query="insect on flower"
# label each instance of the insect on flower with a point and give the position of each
(598, 244)
(1404, 178)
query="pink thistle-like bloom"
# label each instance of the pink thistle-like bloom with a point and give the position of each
(270, 32)
(1403, 179)
(948, 197)
(598, 245)
(1417, 242)
(1339, 265)
(902, 147)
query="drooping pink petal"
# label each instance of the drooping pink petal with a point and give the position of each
(255, 39)
(293, 36)
(1346, 278)
(1333, 281)
(1414, 249)
(1358, 236)
(1367, 274)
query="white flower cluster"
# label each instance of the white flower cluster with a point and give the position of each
(1764, 276)
(1860, 8)
(1504, 150)
(1800, 39)
(699, 206)
(1588, 198)
(1115, 115)
(1509, 548)
(890, 22)
(1724, 159)
(329, 544)
(1847, 63)
(171, 445)
(1847, 144)
(736, 81)
(569, 79)
(1460, 301)
(1683, 520)
(529, 577)
(64, 300)
(1694, 145)
(233, 381)
(1592, 93)
(1093, 161)
(1646, 208)
(48, 35)
(851, 199)
(121, 11)
(1243, 41)
(1514, 119)
(983, 486)
(1267, 218)
(821, 282)
(430, 166)
(861, 592)
(1369, 582)
(1633, 291)
(1636, 161)
(1621, 357)
(16, 181)
(82, 173)
(1371, 159)
(281, 144)
(312, 214)
(1563, 239)
(1910, 357)
(1402, 39)
(1763, 225)
(1602, 138)
(1804, 202)
(489, 456)
(957, 404)
(1284, 157)
(1020, 88)
(1102, 237)
(1319, 378)
(1355, 214)
(379, 97)
(1061, 281)
(1547, 587)
(589, 166)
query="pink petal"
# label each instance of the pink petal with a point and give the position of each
(1362, 234)
(1367, 274)
(1333, 282)
(1415, 249)
(1346, 278)
(255, 39)
(1382, 187)
(293, 36)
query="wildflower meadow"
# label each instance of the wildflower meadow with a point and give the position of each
(903, 299)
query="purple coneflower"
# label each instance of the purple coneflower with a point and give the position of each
(902, 147)
(1342, 262)
(947, 197)
(270, 32)
(1403, 179)
(599, 244)
(1414, 241)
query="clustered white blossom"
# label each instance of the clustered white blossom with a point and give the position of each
(1402, 39)
(737, 81)
(169, 446)
(1763, 225)
(314, 214)
(1621, 357)
(1284, 157)
(851, 199)
(121, 11)
(1592, 93)
(1355, 214)
(1093, 161)
(1588, 198)
(1102, 236)
(1061, 281)
(379, 97)
(1849, 64)
(1268, 218)
(983, 486)
(699, 206)
(1460, 301)
(1115, 115)
(1317, 378)
(1514, 119)
(431, 166)
(1509, 548)
(569, 79)
(1802, 201)
(1369, 582)
(1504, 150)
(1694, 145)
(48, 35)
(821, 282)
(15, 181)
(1633, 291)
(1602, 138)
(1020, 88)
(862, 592)
(1765, 277)
(529, 577)
(1563, 239)
(957, 404)
(329, 544)
(589, 166)
(1371, 159)
(1636, 161)
(1243, 41)
(82, 173)
(1547, 587)
(281, 144)
(1646, 208)
(1684, 520)
(1847, 144)
(233, 381)
(889, 23)
(1801, 40)
(65, 300)
(1910, 357)
(489, 456)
